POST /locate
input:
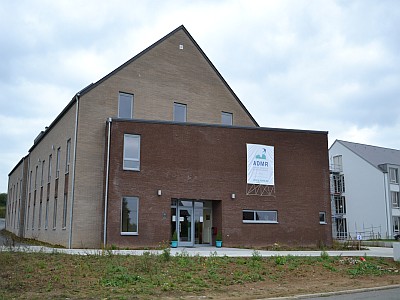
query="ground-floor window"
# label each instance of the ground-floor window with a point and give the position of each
(396, 225)
(260, 216)
(322, 217)
(341, 228)
(129, 215)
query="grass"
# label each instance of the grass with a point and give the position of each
(56, 276)
(2, 212)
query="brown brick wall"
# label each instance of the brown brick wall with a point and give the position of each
(209, 163)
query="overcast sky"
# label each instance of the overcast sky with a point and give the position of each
(321, 65)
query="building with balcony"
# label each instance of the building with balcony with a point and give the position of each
(364, 190)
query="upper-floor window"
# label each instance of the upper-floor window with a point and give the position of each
(338, 182)
(30, 181)
(125, 106)
(131, 152)
(226, 118)
(340, 204)
(393, 175)
(179, 112)
(337, 163)
(260, 216)
(68, 156)
(49, 172)
(58, 162)
(36, 176)
(41, 177)
(395, 199)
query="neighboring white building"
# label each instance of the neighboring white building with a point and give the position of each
(364, 190)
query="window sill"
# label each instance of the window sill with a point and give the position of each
(260, 222)
(129, 233)
(323, 223)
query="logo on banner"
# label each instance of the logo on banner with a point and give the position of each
(260, 164)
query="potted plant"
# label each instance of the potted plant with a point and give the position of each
(218, 240)
(174, 240)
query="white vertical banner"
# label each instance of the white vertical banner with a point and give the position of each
(260, 164)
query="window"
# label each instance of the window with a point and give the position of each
(41, 177)
(337, 163)
(125, 106)
(68, 156)
(394, 176)
(395, 199)
(338, 182)
(260, 216)
(179, 112)
(46, 216)
(30, 181)
(322, 217)
(55, 214)
(340, 204)
(49, 172)
(129, 216)
(40, 214)
(131, 152)
(64, 220)
(33, 213)
(226, 118)
(58, 162)
(36, 174)
(396, 225)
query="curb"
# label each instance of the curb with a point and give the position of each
(344, 292)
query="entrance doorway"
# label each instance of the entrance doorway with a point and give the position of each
(192, 220)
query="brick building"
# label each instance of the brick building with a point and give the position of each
(159, 145)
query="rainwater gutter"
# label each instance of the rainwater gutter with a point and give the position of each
(109, 121)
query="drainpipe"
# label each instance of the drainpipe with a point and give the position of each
(73, 172)
(109, 121)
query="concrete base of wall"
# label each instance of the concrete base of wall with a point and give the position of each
(396, 251)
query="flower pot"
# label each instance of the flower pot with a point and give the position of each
(218, 244)
(174, 244)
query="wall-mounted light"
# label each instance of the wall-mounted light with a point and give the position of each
(233, 196)
(158, 192)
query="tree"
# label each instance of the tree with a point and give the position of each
(3, 199)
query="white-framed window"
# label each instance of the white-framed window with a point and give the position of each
(395, 199)
(58, 162)
(180, 111)
(49, 171)
(129, 215)
(226, 118)
(337, 163)
(322, 217)
(131, 152)
(338, 182)
(396, 225)
(65, 205)
(260, 216)
(68, 156)
(125, 106)
(393, 175)
(340, 204)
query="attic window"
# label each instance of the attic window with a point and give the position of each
(181, 47)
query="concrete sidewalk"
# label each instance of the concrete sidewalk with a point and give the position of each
(205, 251)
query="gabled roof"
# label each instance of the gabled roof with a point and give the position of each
(373, 154)
(93, 85)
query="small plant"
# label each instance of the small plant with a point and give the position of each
(324, 255)
(174, 236)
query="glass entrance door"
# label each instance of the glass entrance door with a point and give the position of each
(192, 221)
(185, 225)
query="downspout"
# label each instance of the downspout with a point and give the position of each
(73, 172)
(109, 121)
